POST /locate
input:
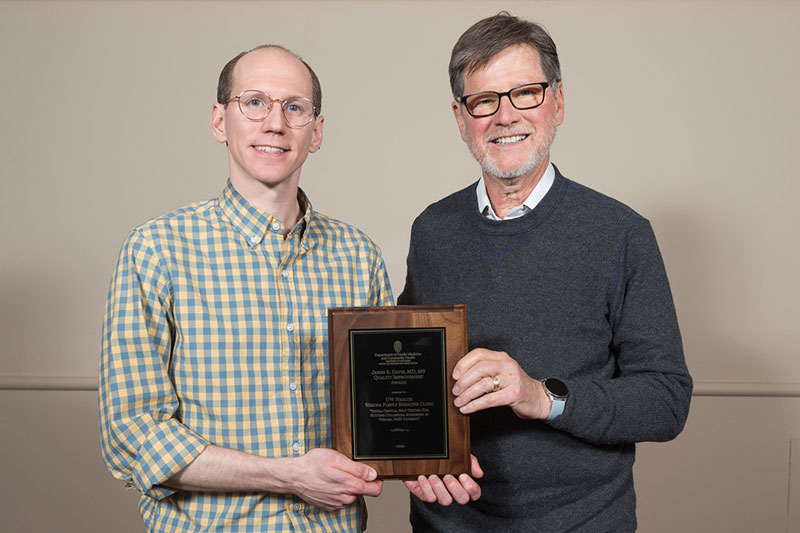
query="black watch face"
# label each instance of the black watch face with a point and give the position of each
(556, 386)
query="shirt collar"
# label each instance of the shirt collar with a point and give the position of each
(255, 224)
(536, 195)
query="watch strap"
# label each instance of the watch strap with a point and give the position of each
(556, 407)
(558, 399)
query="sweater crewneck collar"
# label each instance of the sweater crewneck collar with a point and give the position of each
(534, 217)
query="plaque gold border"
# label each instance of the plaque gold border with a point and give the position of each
(451, 318)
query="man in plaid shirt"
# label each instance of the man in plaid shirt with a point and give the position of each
(214, 372)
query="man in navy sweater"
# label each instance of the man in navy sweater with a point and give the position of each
(575, 352)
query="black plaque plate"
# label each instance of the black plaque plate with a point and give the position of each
(399, 393)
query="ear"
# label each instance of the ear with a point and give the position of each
(558, 97)
(218, 122)
(459, 120)
(316, 135)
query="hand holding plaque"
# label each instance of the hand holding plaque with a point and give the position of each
(391, 388)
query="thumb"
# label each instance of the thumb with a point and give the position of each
(361, 470)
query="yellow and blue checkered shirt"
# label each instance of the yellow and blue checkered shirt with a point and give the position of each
(216, 332)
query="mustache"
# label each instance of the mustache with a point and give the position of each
(508, 131)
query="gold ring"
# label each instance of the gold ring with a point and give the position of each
(496, 384)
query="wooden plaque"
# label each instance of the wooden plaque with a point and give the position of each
(391, 388)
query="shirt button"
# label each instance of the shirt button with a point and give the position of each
(276, 226)
(296, 446)
(290, 327)
(285, 273)
(253, 240)
(296, 507)
(292, 386)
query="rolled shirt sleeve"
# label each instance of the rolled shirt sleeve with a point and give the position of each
(143, 440)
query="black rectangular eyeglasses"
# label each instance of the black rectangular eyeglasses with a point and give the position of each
(486, 103)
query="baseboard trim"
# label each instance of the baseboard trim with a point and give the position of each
(701, 388)
(747, 389)
(84, 383)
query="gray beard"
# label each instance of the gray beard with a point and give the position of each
(489, 166)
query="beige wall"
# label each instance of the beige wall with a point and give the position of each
(688, 111)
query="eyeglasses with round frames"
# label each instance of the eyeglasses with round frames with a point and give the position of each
(255, 105)
(487, 103)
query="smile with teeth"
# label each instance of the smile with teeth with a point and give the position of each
(270, 149)
(510, 139)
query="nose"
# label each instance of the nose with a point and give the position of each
(506, 113)
(274, 120)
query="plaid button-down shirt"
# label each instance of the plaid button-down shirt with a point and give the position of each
(216, 332)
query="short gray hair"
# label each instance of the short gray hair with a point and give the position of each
(488, 37)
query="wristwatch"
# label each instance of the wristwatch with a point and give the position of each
(558, 392)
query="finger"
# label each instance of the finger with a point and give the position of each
(372, 488)
(459, 494)
(347, 499)
(362, 471)
(485, 401)
(359, 470)
(481, 374)
(441, 492)
(475, 467)
(484, 384)
(484, 388)
(355, 485)
(477, 356)
(467, 380)
(343, 479)
(469, 360)
(330, 502)
(470, 487)
(414, 488)
(368, 474)
(484, 371)
(425, 490)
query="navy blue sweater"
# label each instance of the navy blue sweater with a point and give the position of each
(575, 289)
